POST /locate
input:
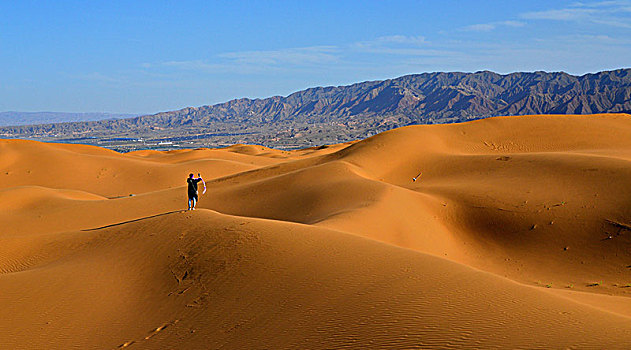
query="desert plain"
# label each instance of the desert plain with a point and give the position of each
(515, 234)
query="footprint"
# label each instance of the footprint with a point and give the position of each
(155, 331)
(151, 334)
(126, 344)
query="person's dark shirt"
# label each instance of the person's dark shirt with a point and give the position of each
(192, 185)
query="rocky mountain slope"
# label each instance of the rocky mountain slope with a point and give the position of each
(334, 114)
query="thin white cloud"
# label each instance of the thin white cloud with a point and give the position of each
(584, 39)
(484, 27)
(302, 58)
(568, 14)
(412, 52)
(613, 22)
(403, 45)
(254, 62)
(195, 66)
(391, 41)
(402, 39)
(292, 56)
(512, 23)
(487, 27)
(613, 3)
(190, 65)
(99, 77)
(610, 13)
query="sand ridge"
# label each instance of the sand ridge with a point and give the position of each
(515, 235)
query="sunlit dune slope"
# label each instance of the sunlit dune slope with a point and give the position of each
(515, 234)
(205, 280)
(112, 174)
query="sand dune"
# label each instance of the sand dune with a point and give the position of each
(515, 235)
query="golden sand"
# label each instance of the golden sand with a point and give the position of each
(516, 234)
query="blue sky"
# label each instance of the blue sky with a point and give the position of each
(151, 56)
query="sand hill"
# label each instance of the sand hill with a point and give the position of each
(516, 234)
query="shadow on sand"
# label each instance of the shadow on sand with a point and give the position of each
(134, 220)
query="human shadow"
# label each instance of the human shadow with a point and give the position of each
(134, 220)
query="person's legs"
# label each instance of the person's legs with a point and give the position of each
(190, 200)
(194, 199)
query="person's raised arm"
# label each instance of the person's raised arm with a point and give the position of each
(203, 182)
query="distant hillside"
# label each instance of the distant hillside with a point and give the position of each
(335, 114)
(429, 97)
(28, 118)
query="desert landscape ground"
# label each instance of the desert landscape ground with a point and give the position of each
(515, 235)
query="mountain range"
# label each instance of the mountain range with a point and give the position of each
(336, 114)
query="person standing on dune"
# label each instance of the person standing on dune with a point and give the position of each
(192, 190)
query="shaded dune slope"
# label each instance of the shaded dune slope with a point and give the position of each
(331, 247)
